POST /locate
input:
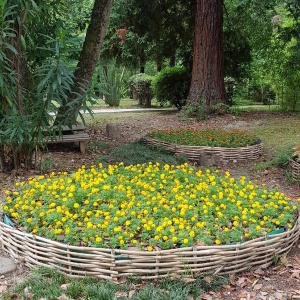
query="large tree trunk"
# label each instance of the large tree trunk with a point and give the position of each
(207, 83)
(88, 56)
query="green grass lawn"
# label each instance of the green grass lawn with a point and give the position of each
(48, 284)
(124, 103)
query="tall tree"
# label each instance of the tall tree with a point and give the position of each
(207, 84)
(87, 60)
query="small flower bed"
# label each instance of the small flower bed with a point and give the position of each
(207, 137)
(149, 206)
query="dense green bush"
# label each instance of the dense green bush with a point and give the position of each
(171, 85)
(140, 88)
(262, 93)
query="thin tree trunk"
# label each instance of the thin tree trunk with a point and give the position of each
(142, 56)
(172, 61)
(207, 83)
(88, 57)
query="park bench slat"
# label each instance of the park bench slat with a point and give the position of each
(69, 138)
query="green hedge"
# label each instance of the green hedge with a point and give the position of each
(171, 85)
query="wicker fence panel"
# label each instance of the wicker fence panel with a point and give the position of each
(77, 261)
(196, 153)
(295, 169)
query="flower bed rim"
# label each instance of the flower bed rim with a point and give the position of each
(295, 168)
(233, 244)
(123, 258)
(150, 139)
(198, 153)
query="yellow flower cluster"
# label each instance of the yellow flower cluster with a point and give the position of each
(148, 206)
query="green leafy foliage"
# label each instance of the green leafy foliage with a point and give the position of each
(29, 96)
(171, 85)
(137, 153)
(109, 81)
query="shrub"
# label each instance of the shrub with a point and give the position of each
(137, 153)
(171, 85)
(140, 89)
(262, 93)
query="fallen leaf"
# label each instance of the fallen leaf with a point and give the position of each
(187, 279)
(63, 297)
(131, 293)
(119, 294)
(208, 279)
(64, 286)
(164, 291)
(259, 271)
(243, 294)
(27, 289)
(206, 297)
(228, 287)
(295, 274)
(241, 282)
(232, 279)
(278, 296)
(3, 288)
(255, 282)
(257, 286)
(29, 295)
(200, 243)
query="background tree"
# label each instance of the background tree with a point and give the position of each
(89, 55)
(207, 83)
(153, 32)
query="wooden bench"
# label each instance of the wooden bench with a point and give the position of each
(70, 135)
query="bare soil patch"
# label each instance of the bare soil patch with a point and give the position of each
(281, 281)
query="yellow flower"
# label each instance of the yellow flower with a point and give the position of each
(174, 239)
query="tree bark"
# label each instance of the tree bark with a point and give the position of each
(88, 57)
(207, 83)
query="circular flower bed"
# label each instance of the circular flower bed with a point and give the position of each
(233, 138)
(147, 206)
(207, 146)
(146, 209)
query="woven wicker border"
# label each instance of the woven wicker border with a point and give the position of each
(295, 169)
(112, 264)
(197, 153)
